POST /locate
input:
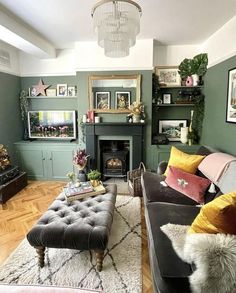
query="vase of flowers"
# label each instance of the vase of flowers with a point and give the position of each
(80, 161)
(136, 109)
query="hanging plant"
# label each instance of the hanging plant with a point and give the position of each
(198, 116)
(24, 105)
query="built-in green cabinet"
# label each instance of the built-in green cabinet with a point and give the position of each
(45, 160)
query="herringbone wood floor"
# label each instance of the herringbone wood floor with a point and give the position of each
(19, 214)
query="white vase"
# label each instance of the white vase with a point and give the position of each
(184, 134)
(136, 118)
(195, 78)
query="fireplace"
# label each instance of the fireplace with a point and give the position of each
(130, 133)
(114, 158)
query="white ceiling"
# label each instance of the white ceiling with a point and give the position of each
(170, 22)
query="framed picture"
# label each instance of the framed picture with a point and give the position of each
(166, 98)
(72, 91)
(231, 100)
(122, 100)
(168, 75)
(51, 92)
(62, 90)
(171, 128)
(32, 92)
(102, 100)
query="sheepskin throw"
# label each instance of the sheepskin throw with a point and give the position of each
(214, 256)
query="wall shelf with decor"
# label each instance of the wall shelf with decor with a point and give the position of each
(172, 103)
(52, 97)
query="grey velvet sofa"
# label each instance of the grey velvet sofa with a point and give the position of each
(164, 205)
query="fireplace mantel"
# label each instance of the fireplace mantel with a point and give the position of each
(134, 130)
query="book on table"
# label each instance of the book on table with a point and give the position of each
(84, 190)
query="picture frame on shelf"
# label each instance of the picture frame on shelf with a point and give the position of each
(171, 128)
(166, 98)
(61, 90)
(122, 100)
(72, 91)
(32, 92)
(51, 92)
(102, 100)
(168, 75)
(231, 97)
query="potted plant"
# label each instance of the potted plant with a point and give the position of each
(191, 70)
(94, 176)
(199, 67)
(185, 71)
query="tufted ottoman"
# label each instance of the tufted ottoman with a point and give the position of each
(80, 224)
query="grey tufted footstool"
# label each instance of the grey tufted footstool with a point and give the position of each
(80, 224)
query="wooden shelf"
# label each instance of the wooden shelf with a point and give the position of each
(180, 86)
(53, 97)
(175, 105)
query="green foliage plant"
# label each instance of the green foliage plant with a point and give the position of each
(94, 175)
(197, 65)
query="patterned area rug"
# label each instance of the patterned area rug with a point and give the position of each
(65, 267)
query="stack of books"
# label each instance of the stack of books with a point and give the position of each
(72, 192)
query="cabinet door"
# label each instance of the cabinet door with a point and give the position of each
(33, 162)
(59, 163)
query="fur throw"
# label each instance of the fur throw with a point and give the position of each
(214, 256)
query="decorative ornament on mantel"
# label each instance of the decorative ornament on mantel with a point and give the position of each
(40, 88)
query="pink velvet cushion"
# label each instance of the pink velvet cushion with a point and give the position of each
(189, 184)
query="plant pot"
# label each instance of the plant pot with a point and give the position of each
(189, 81)
(195, 78)
(95, 182)
(136, 118)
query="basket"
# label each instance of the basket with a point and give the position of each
(134, 180)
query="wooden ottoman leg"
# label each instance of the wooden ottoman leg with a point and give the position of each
(99, 257)
(40, 251)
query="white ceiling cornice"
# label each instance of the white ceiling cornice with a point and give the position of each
(13, 32)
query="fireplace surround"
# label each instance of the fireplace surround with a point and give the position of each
(133, 132)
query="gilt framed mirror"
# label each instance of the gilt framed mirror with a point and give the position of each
(113, 93)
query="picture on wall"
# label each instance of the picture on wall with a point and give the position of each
(168, 75)
(72, 91)
(231, 102)
(171, 128)
(122, 100)
(103, 100)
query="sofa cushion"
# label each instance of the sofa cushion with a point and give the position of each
(183, 161)
(155, 192)
(191, 185)
(218, 216)
(159, 214)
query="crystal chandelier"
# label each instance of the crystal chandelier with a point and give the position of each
(117, 23)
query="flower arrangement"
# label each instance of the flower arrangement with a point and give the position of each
(136, 108)
(71, 176)
(80, 158)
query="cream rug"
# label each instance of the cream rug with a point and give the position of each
(64, 267)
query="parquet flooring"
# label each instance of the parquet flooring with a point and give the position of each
(19, 214)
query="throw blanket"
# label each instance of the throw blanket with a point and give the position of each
(213, 254)
(214, 165)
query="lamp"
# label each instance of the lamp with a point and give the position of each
(117, 23)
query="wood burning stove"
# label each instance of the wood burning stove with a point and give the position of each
(115, 163)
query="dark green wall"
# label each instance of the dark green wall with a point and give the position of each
(10, 120)
(82, 104)
(216, 132)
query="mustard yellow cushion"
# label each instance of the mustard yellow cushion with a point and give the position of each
(218, 216)
(185, 162)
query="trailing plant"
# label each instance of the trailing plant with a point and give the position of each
(198, 116)
(24, 105)
(155, 88)
(94, 175)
